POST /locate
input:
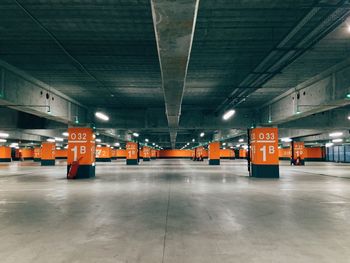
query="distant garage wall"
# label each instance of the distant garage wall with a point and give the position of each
(339, 154)
(61, 154)
(175, 154)
(311, 154)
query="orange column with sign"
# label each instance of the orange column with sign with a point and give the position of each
(48, 153)
(297, 153)
(37, 154)
(153, 154)
(5, 154)
(132, 153)
(113, 154)
(103, 154)
(146, 153)
(264, 153)
(214, 153)
(81, 152)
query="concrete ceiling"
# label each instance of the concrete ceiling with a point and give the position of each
(119, 57)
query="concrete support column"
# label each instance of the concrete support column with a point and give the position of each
(146, 153)
(214, 153)
(264, 153)
(48, 153)
(103, 154)
(132, 153)
(5, 154)
(37, 154)
(297, 153)
(153, 154)
(81, 153)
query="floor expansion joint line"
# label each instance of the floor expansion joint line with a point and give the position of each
(327, 175)
(166, 223)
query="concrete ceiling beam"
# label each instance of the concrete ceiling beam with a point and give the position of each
(174, 24)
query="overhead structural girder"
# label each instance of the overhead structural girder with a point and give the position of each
(282, 55)
(174, 23)
(20, 91)
(323, 92)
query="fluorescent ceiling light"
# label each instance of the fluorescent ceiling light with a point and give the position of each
(228, 114)
(241, 140)
(135, 134)
(224, 143)
(329, 144)
(335, 134)
(102, 116)
(337, 140)
(58, 139)
(202, 134)
(3, 140)
(65, 134)
(4, 135)
(146, 140)
(117, 144)
(98, 140)
(286, 139)
(50, 140)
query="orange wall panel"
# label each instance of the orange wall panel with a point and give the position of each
(227, 153)
(175, 153)
(62, 153)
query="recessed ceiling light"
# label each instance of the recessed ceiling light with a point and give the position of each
(335, 134)
(4, 135)
(337, 140)
(102, 116)
(228, 114)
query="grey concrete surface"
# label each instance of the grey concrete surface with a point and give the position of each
(174, 211)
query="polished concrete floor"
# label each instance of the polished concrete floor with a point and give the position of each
(174, 211)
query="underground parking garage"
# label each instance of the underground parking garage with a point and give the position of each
(174, 131)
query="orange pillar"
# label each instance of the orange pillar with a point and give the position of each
(132, 153)
(103, 154)
(48, 153)
(264, 153)
(5, 154)
(214, 153)
(81, 150)
(154, 153)
(37, 154)
(146, 153)
(298, 153)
